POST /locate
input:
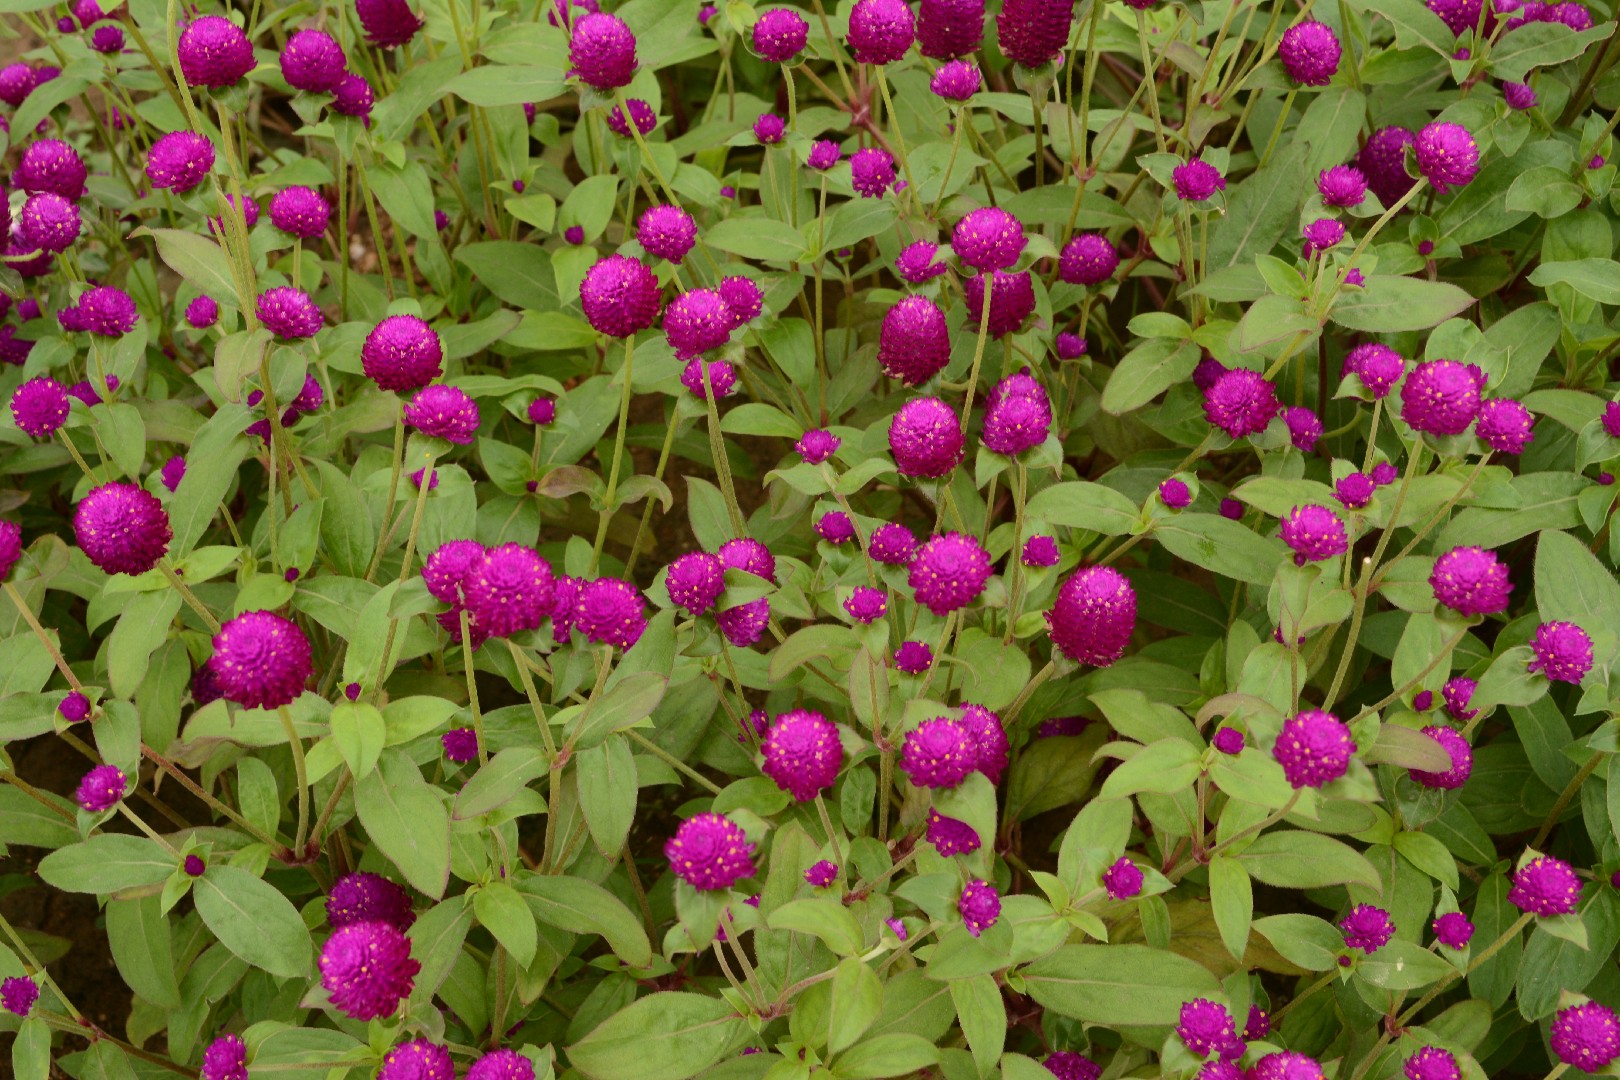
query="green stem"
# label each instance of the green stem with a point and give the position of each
(606, 514)
(188, 596)
(299, 767)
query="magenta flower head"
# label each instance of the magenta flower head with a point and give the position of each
(1228, 741)
(697, 321)
(1586, 1036)
(1313, 533)
(939, 753)
(956, 80)
(300, 211)
(443, 412)
(312, 60)
(821, 875)
(104, 311)
(1093, 616)
(289, 313)
(179, 161)
(769, 129)
(892, 544)
(802, 753)
(916, 264)
(620, 295)
(1611, 419)
(780, 35)
(979, 905)
(40, 406)
(1309, 52)
(695, 582)
(1471, 581)
(1070, 346)
(1447, 155)
(460, 744)
(1241, 402)
(1383, 162)
(1505, 425)
(1304, 427)
(1197, 180)
(74, 708)
(225, 1059)
(1462, 760)
(542, 411)
(1206, 1027)
(366, 897)
(18, 994)
(667, 232)
(640, 114)
(1017, 415)
(1367, 928)
(1545, 886)
(1453, 930)
(261, 660)
(1033, 32)
(353, 97)
(1040, 551)
(872, 170)
(1431, 1063)
(947, 29)
(742, 625)
(988, 239)
(913, 657)
(214, 51)
(817, 446)
(102, 788)
(1563, 652)
(508, 591)
(502, 1065)
(710, 852)
(1456, 694)
(51, 165)
(202, 312)
(926, 438)
(1123, 880)
(1461, 16)
(121, 528)
(49, 222)
(1314, 747)
(823, 155)
(1377, 366)
(1087, 259)
(417, 1059)
(1012, 300)
(1322, 234)
(1342, 185)
(16, 83)
(949, 836)
(366, 968)
(1518, 96)
(609, 611)
(914, 344)
(602, 52)
(835, 527)
(948, 572)
(990, 738)
(402, 353)
(1286, 1065)
(388, 23)
(1441, 397)
(880, 31)
(743, 297)
(722, 378)
(1175, 494)
(1068, 1065)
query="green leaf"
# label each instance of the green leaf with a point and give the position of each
(1387, 304)
(855, 220)
(1231, 898)
(216, 453)
(405, 817)
(1295, 859)
(253, 920)
(760, 238)
(499, 781)
(106, 863)
(1403, 965)
(579, 907)
(1260, 210)
(504, 914)
(755, 418)
(506, 84)
(1552, 964)
(422, 84)
(407, 195)
(31, 1052)
(627, 702)
(1540, 44)
(197, 259)
(1146, 372)
(663, 1036)
(359, 732)
(139, 936)
(983, 1016)
(1595, 278)
(1222, 547)
(1312, 943)
(607, 793)
(1546, 191)
(824, 917)
(519, 274)
(1117, 985)
(33, 824)
(1080, 504)
(1429, 855)
(857, 994)
(884, 1056)
(1167, 766)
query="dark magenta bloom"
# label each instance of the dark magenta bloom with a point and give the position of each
(10, 547)
(1304, 427)
(1032, 33)
(602, 52)
(502, 1065)
(913, 657)
(721, 376)
(18, 994)
(102, 788)
(1093, 616)
(915, 264)
(695, 581)
(460, 744)
(202, 312)
(817, 446)
(769, 129)
(926, 438)
(74, 708)
(1367, 928)
(445, 571)
(823, 155)
(949, 836)
(1447, 155)
(1012, 301)
(1377, 366)
(225, 1059)
(667, 232)
(417, 1059)
(1456, 694)
(1586, 1036)
(1518, 96)
(988, 239)
(1462, 760)
(914, 343)
(880, 31)
(821, 875)
(214, 51)
(542, 411)
(1228, 741)
(1545, 886)
(367, 969)
(1453, 930)
(949, 572)
(871, 170)
(990, 738)
(710, 852)
(1123, 880)
(40, 406)
(1342, 185)
(1383, 162)
(312, 60)
(802, 753)
(443, 412)
(1287, 1065)
(956, 80)
(1240, 403)
(367, 897)
(1017, 415)
(1563, 652)
(980, 906)
(49, 222)
(261, 660)
(121, 528)
(1087, 259)
(1040, 551)
(1322, 234)
(610, 611)
(388, 24)
(939, 753)
(509, 590)
(1314, 747)
(289, 313)
(780, 35)
(867, 605)
(1175, 494)
(1197, 180)
(1431, 1063)
(1314, 533)
(697, 321)
(51, 165)
(743, 297)
(300, 211)
(1206, 1027)
(1069, 346)
(1068, 1065)
(947, 29)
(1310, 53)
(1471, 581)
(892, 544)
(620, 296)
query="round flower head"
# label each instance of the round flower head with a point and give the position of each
(16, 83)
(1322, 234)
(743, 297)
(1367, 928)
(710, 852)
(312, 60)
(620, 295)
(602, 52)
(641, 114)
(1093, 616)
(443, 412)
(1017, 415)
(225, 1059)
(365, 897)
(51, 165)
(1123, 880)
(821, 875)
(1309, 52)
(949, 836)
(1586, 1036)
(780, 35)
(872, 170)
(1228, 741)
(289, 313)
(1563, 652)
(913, 657)
(948, 572)
(402, 353)
(817, 446)
(121, 528)
(1231, 510)
(1456, 694)
(1313, 533)
(261, 660)
(49, 222)
(915, 265)
(947, 29)
(214, 51)
(1240, 403)
(1304, 427)
(10, 547)
(1518, 96)
(1545, 886)
(1377, 366)
(417, 1059)
(300, 211)
(609, 611)
(1383, 162)
(1462, 760)
(388, 24)
(988, 239)
(695, 582)
(1342, 185)
(1453, 930)
(892, 544)
(102, 788)
(1040, 551)
(542, 411)
(502, 1065)
(1012, 300)
(1087, 259)
(1573, 15)
(179, 161)
(460, 744)
(939, 753)
(1461, 16)
(202, 313)
(366, 968)
(1505, 425)
(835, 527)
(1175, 494)
(926, 438)
(744, 624)
(18, 994)
(1070, 346)
(1432, 1063)
(75, 707)
(40, 406)
(1471, 581)
(104, 311)
(509, 590)
(802, 753)
(1197, 180)
(1287, 1065)
(1206, 1027)
(1221, 1069)
(990, 738)
(1206, 371)
(721, 376)
(1447, 155)
(823, 155)
(1032, 33)
(667, 232)
(956, 80)
(1314, 747)
(914, 344)
(980, 906)
(769, 128)
(1068, 1065)
(697, 321)
(880, 31)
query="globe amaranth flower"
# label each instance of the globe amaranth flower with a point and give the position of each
(892, 544)
(1286, 1065)
(1069, 346)
(871, 170)
(312, 60)
(1197, 180)
(1383, 162)
(695, 581)
(666, 232)
(1322, 234)
(1032, 32)
(1447, 155)
(913, 657)
(74, 708)
(947, 29)
(610, 611)
(460, 744)
(367, 969)
(939, 753)
(51, 165)
(1563, 652)
(780, 35)
(1545, 886)
(1460, 753)
(979, 905)
(104, 311)
(823, 155)
(443, 412)
(619, 296)
(300, 211)
(1040, 551)
(1017, 415)
(289, 313)
(49, 222)
(742, 625)
(769, 129)
(1461, 16)
(990, 738)
(602, 52)
(225, 1059)
(417, 1059)
(988, 239)
(1342, 185)
(1241, 402)
(1123, 880)
(18, 994)
(709, 851)
(1611, 419)
(1456, 694)
(202, 312)
(16, 83)
(402, 353)
(822, 874)
(1219, 1069)
(956, 80)
(102, 788)
(388, 23)
(1367, 928)
(40, 406)
(1586, 1036)
(926, 438)
(121, 528)
(509, 590)
(1313, 533)
(867, 605)
(1453, 930)
(743, 298)
(949, 836)
(1228, 741)
(1304, 427)
(915, 264)
(914, 343)
(1441, 397)
(1377, 366)
(367, 897)
(1518, 96)
(641, 115)
(1471, 581)
(1068, 1065)
(948, 572)
(802, 753)
(502, 1065)
(1431, 1063)
(1093, 616)
(179, 161)
(1087, 259)
(1175, 494)
(1310, 53)
(880, 31)
(214, 51)
(721, 376)
(1314, 747)
(697, 321)
(1206, 1027)
(1012, 300)
(261, 660)
(817, 445)
(542, 411)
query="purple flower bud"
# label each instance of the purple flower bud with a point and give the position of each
(1068, 1065)
(1093, 616)
(980, 906)
(769, 128)
(40, 406)
(913, 657)
(720, 375)
(835, 527)
(821, 875)
(1505, 425)
(1354, 490)
(948, 572)
(288, 313)
(1070, 346)
(695, 581)
(1441, 397)
(817, 446)
(1123, 880)
(1309, 52)
(403, 353)
(1197, 180)
(1175, 494)
(1231, 509)
(509, 590)
(179, 161)
(1342, 185)
(609, 611)
(619, 296)
(1040, 551)
(1314, 747)
(1322, 234)
(1087, 259)
(939, 753)
(1586, 1036)
(1367, 928)
(743, 297)
(1460, 753)
(915, 265)
(947, 29)
(1453, 930)
(301, 212)
(1518, 96)
(1012, 301)
(388, 23)
(202, 312)
(460, 744)
(710, 852)
(1205, 1027)
(892, 544)
(956, 80)
(102, 788)
(667, 232)
(312, 60)
(1447, 155)
(1304, 427)
(951, 837)
(914, 344)
(49, 222)
(261, 660)
(417, 1059)
(122, 529)
(1545, 886)
(74, 708)
(1228, 741)
(574, 234)
(824, 155)
(1018, 415)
